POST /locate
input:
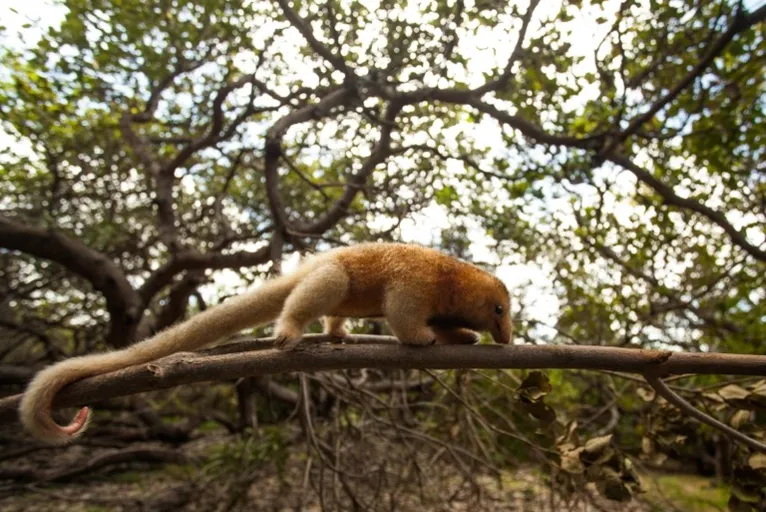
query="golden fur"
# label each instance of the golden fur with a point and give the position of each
(426, 297)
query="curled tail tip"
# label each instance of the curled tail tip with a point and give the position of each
(78, 424)
(50, 432)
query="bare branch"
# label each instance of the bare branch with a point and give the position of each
(668, 394)
(673, 199)
(384, 353)
(272, 389)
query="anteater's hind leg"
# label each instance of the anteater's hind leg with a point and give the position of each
(318, 293)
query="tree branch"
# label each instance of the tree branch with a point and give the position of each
(299, 23)
(156, 91)
(355, 183)
(122, 302)
(757, 16)
(594, 143)
(306, 113)
(163, 173)
(178, 298)
(473, 99)
(740, 23)
(668, 394)
(383, 352)
(193, 260)
(142, 454)
(216, 132)
(672, 298)
(166, 220)
(673, 199)
(13, 374)
(274, 146)
(501, 81)
(29, 329)
(531, 130)
(272, 389)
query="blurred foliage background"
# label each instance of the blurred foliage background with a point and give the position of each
(606, 158)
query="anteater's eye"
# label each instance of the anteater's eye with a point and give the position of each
(499, 309)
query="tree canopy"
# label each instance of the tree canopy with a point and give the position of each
(616, 148)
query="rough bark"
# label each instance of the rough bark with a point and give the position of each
(257, 357)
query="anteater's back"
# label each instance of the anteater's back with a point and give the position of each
(373, 267)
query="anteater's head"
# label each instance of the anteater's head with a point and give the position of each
(486, 305)
(497, 311)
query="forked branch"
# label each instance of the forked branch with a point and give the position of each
(668, 394)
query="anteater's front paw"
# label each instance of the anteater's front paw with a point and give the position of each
(287, 338)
